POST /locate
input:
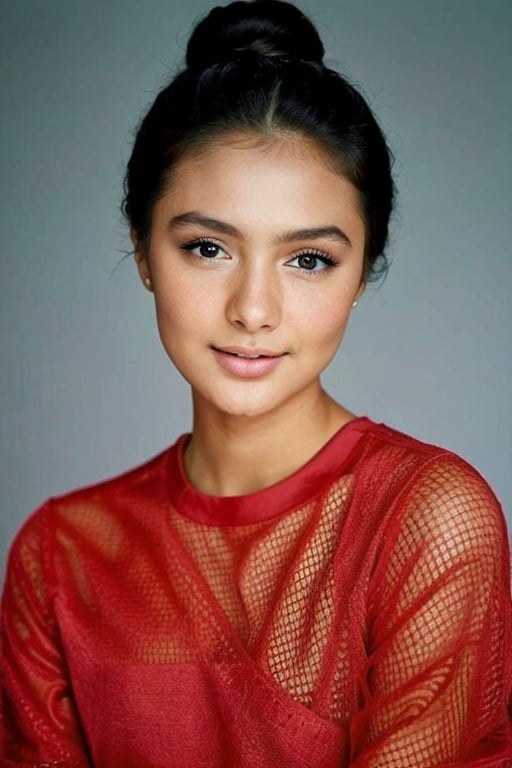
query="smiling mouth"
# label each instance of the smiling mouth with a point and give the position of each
(246, 363)
(246, 355)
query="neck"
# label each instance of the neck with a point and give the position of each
(233, 455)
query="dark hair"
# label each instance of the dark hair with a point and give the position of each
(258, 66)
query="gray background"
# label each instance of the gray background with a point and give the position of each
(87, 390)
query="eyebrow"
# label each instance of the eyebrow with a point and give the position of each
(330, 232)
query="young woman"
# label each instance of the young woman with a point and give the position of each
(288, 585)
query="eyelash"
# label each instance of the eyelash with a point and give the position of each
(327, 261)
(193, 244)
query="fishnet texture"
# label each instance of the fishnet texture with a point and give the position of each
(362, 621)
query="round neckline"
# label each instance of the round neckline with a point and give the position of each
(268, 502)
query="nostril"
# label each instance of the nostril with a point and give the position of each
(253, 306)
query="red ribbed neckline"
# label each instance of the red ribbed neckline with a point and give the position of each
(269, 502)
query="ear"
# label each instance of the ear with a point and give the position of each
(141, 259)
(360, 291)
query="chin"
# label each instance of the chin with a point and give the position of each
(243, 407)
(245, 410)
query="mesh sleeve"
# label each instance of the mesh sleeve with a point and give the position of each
(440, 649)
(38, 725)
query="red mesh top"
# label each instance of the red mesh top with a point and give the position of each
(356, 614)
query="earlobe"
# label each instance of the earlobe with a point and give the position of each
(359, 293)
(143, 267)
(141, 260)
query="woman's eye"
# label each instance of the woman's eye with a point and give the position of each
(207, 249)
(312, 262)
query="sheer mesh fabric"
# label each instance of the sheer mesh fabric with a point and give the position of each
(356, 614)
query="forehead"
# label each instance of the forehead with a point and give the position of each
(248, 146)
(240, 166)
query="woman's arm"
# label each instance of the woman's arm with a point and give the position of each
(38, 721)
(440, 648)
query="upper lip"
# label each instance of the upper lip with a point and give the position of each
(249, 351)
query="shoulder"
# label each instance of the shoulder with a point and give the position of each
(433, 490)
(94, 512)
(386, 439)
(443, 514)
(443, 547)
(143, 478)
(393, 454)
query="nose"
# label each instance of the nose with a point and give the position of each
(254, 301)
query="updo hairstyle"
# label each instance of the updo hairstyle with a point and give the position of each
(257, 67)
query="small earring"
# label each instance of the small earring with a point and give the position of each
(148, 283)
(354, 304)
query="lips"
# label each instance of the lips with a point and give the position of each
(247, 352)
(247, 363)
(247, 357)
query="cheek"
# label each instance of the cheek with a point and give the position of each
(334, 330)
(325, 320)
(182, 312)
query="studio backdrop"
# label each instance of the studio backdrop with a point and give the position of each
(87, 390)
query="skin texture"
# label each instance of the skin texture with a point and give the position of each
(246, 288)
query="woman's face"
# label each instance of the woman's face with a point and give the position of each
(256, 257)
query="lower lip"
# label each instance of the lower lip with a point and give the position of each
(246, 367)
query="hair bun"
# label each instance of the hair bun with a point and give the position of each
(264, 28)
